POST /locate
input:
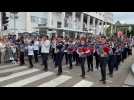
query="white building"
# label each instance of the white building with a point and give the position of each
(65, 23)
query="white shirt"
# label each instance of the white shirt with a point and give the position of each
(45, 46)
(2, 47)
(36, 45)
(30, 50)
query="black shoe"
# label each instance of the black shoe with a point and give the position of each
(104, 82)
(30, 66)
(45, 69)
(83, 76)
(101, 80)
(70, 68)
(88, 70)
(59, 74)
(111, 75)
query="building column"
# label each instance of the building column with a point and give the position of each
(98, 28)
(28, 27)
(105, 27)
(63, 19)
(111, 29)
(102, 27)
(74, 18)
(94, 25)
(81, 20)
(49, 19)
(88, 23)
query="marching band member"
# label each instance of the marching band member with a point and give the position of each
(111, 61)
(70, 50)
(90, 57)
(82, 48)
(53, 49)
(36, 49)
(59, 54)
(30, 49)
(45, 48)
(65, 51)
(104, 52)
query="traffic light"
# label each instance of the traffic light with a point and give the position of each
(4, 19)
(5, 27)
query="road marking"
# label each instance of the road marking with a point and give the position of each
(8, 66)
(83, 83)
(13, 69)
(18, 74)
(56, 82)
(30, 80)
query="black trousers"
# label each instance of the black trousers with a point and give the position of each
(66, 57)
(22, 58)
(118, 59)
(82, 62)
(90, 62)
(36, 55)
(111, 64)
(0, 57)
(30, 57)
(70, 60)
(52, 50)
(58, 61)
(116, 64)
(97, 59)
(77, 58)
(45, 59)
(103, 63)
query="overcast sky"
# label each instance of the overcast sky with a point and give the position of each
(124, 17)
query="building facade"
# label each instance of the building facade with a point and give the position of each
(65, 23)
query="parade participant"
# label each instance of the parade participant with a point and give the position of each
(59, 54)
(70, 50)
(53, 47)
(117, 57)
(81, 51)
(104, 52)
(45, 48)
(90, 56)
(30, 49)
(13, 53)
(111, 61)
(36, 49)
(96, 53)
(75, 52)
(0, 49)
(21, 52)
(65, 51)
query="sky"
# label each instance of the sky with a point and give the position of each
(124, 17)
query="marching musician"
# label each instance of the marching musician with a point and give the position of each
(104, 52)
(70, 50)
(59, 54)
(90, 56)
(45, 48)
(82, 55)
(111, 60)
(65, 50)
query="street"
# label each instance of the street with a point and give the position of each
(22, 76)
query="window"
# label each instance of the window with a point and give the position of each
(38, 20)
(58, 24)
(34, 19)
